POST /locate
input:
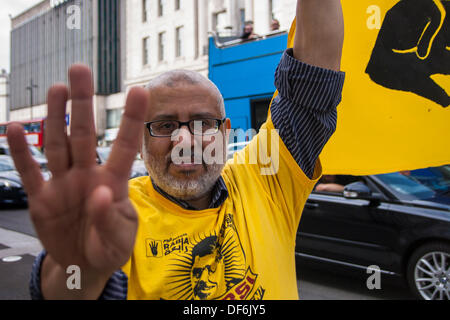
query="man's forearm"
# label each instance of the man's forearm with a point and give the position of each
(54, 283)
(319, 33)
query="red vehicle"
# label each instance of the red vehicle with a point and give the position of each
(34, 132)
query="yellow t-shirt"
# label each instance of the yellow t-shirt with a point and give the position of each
(242, 250)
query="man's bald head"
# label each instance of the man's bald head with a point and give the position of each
(183, 96)
(179, 77)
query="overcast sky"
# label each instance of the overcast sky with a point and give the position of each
(13, 7)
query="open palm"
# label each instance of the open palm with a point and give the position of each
(82, 215)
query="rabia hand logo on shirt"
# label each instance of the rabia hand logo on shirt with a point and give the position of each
(413, 44)
(154, 248)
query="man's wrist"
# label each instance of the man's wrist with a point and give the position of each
(59, 282)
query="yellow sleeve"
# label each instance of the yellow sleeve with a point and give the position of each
(267, 164)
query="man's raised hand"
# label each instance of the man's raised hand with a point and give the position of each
(82, 215)
(319, 35)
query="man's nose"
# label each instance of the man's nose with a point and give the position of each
(184, 136)
(185, 139)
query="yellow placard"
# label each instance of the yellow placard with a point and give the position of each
(395, 112)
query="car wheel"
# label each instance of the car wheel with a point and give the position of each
(428, 271)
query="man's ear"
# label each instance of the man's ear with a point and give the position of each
(228, 123)
(227, 128)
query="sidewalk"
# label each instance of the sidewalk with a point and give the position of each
(16, 244)
(17, 254)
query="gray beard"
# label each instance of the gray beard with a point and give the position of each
(183, 189)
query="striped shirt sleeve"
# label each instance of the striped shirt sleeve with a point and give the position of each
(116, 288)
(304, 111)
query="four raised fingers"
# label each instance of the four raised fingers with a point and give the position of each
(81, 149)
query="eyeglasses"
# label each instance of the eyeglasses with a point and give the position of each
(198, 127)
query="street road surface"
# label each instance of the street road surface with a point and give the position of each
(323, 284)
(18, 239)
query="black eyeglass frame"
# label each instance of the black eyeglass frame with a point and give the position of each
(181, 124)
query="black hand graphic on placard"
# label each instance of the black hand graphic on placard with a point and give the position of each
(413, 44)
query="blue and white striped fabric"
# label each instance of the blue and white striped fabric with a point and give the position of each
(35, 281)
(116, 288)
(305, 114)
(304, 111)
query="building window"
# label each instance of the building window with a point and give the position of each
(161, 4)
(259, 109)
(145, 51)
(242, 19)
(220, 21)
(113, 117)
(145, 10)
(179, 35)
(162, 45)
(275, 8)
(177, 4)
(108, 46)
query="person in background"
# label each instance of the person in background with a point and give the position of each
(335, 183)
(275, 25)
(248, 33)
(328, 183)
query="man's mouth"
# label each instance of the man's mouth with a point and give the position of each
(187, 164)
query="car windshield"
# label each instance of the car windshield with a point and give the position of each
(5, 165)
(35, 152)
(235, 147)
(422, 184)
(436, 178)
(103, 153)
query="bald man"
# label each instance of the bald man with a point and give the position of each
(194, 228)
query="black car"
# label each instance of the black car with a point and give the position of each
(138, 168)
(11, 189)
(399, 222)
(37, 155)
